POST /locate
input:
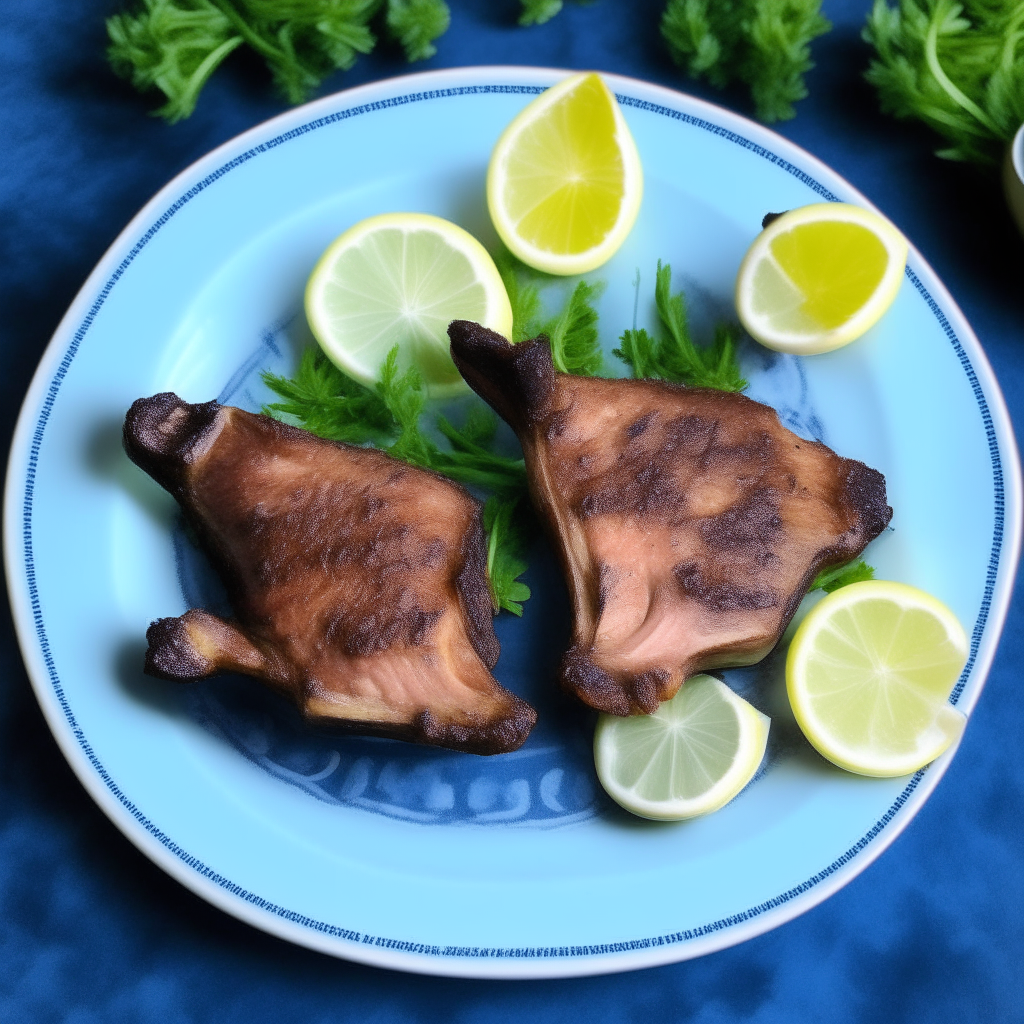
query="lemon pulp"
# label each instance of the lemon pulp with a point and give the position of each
(400, 279)
(869, 674)
(564, 182)
(819, 276)
(835, 266)
(564, 178)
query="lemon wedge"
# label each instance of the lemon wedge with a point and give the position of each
(691, 757)
(400, 279)
(564, 183)
(818, 277)
(869, 674)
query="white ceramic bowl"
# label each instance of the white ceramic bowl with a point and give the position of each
(1013, 178)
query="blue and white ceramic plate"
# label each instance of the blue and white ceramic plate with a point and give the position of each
(423, 859)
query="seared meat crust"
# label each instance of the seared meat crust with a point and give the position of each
(689, 522)
(358, 582)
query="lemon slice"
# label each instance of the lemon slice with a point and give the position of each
(564, 182)
(818, 277)
(869, 674)
(401, 279)
(691, 757)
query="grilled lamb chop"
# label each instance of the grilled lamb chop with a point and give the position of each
(689, 522)
(358, 582)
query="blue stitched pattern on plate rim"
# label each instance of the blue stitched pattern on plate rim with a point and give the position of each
(324, 927)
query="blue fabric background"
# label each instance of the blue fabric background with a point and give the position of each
(91, 931)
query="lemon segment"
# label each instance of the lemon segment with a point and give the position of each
(818, 277)
(564, 182)
(869, 674)
(691, 757)
(400, 279)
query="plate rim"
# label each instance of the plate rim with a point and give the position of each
(397, 954)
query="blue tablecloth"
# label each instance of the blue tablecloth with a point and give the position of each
(90, 930)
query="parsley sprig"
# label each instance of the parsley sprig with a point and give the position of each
(674, 356)
(572, 333)
(537, 12)
(837, 576)
(958, 67)
(510, 527)
(175, 45)
(763, 44)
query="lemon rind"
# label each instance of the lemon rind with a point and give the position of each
(498, 316)
(950, 721)
(753, 741)
(798, 343)
(633, 186)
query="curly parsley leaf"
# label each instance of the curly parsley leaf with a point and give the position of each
(536, 12)
(572, 334)
(521, 284)
(175, 45)
(416, 24)
(837, 576)
(507, 539)
(763, 44)
(328, 403)
(575, 347)
(958, 67)
(674, 356)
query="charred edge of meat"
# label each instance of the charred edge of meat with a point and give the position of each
(517, 381)
(475, 595)
(174, 653)
(171, 654)
(638, 694)
(864, 489)
(162, 432)
(197, 645)
(499, 735)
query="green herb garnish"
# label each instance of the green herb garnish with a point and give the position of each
(508, 531)
(536, 12)
(416, 24)
(674, 356)
(572, 334)
(575, 347)
(959, 67)
(838, 576)
(175, 45)
(764, 44)
(322, 399)
(328, 403)
(523, 289)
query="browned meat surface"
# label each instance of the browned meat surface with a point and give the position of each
(689, 522)
(358, 582)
